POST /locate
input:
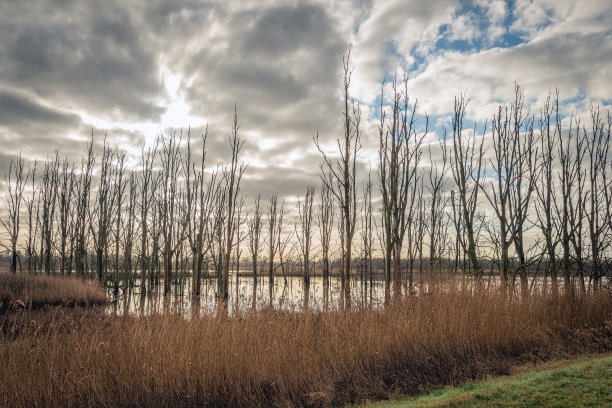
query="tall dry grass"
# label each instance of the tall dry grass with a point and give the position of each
(274, 358)
(34, 291)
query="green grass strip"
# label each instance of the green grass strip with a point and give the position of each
(586, 384)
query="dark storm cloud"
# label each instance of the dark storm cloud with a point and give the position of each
(281, 64)
(283, 30)
(5, 161)
(270, 61)
(17, 109)
(269, 180)
(91, 56)
(35, 129)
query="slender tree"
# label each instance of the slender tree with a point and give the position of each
(272, 235)
(325, 222)
(399, 154)
(15, 182)
(232, 175)
(466, 165)
(340, 175)
(305, 232)
(254, 231)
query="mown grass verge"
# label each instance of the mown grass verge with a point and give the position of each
(585, 384)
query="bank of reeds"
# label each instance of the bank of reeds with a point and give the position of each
(276, 358)
(18, 291)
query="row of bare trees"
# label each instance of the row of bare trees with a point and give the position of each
(524, 193)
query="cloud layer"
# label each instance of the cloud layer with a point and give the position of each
(134, 69)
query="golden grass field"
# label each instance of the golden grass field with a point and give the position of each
(85, 357)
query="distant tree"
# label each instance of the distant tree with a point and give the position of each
(340, 175)
(254, 232)
(399, 154)
(466, 165)
(325, 222)
(15, 182)
(232, 177)
(304, 232)
(272, 235)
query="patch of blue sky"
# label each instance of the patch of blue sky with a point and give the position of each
(480, 42)
(580, 97)
(376, 107)
(420, 61)
(438, 124)
(577, 103)
(478, 16)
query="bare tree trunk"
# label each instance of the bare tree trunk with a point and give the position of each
(399, 154)
(272, 238)
(304, 235)
(466, 165)
(325, 222)
(233, 176)
(15, 183)
(342, 179)
(254, 230)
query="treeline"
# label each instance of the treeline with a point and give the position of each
(524, 193)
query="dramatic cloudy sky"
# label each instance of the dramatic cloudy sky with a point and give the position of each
(137, 68)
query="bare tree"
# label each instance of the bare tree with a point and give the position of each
(129, 232)
(503, 166)
(119, 186)
(233, 175)
(399, 154)
(325, 222)
(272, 235)
(31, 221)
(525, 177)
(254, 231)
(83, 210)
(435, 226)
(305, 233)
(367, 238)
(172, 230)
(466, 165)
(570, 176)
(201, 199)
(15, 182)
(147, 186)
(343, 172)
(218, 238)
(48, 197)
(577, 201)
(550, 132)
(65, 198)
(100, 227)
(414, 229)
(598, 148)
(283, 240)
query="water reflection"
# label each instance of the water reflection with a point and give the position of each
(289, 294)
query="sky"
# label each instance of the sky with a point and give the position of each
(135, 69)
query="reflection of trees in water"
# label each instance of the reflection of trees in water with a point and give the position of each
(296, 296)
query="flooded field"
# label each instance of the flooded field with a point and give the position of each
(292, 293)
(245, 295)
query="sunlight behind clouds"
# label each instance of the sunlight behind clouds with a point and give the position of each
(180, 64)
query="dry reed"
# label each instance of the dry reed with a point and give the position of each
(275, 358)
(35, 291)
